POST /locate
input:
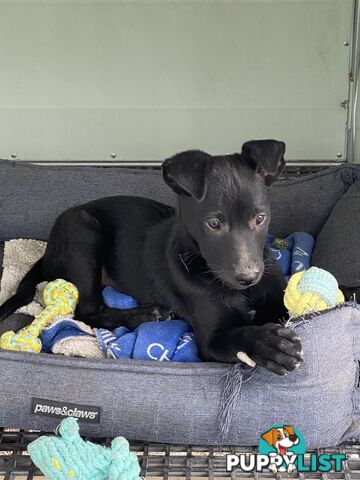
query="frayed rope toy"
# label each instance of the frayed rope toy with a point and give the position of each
(60, 298)
(312, 291)
(69, 457)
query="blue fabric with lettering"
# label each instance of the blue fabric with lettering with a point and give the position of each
(293, 253)
(171, 340)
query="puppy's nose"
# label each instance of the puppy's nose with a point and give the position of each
(246, 277)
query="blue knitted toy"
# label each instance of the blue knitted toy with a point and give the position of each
(114, 299)
(70, 457)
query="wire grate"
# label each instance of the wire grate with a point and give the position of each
(168, 462)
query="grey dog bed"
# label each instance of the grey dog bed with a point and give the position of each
(181, 402)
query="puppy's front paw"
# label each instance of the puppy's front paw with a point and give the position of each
(244, 357)
(277, 349)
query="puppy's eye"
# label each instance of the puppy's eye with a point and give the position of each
(260, 219)
(214, 224)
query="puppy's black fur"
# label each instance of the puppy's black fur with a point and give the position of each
(205, 261)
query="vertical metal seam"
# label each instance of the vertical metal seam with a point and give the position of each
(350, 129)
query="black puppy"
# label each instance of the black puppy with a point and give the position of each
(206, 261)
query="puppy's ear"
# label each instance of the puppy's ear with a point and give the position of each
(289, 429)
(187, 173)
(266, 157)
(270, 436)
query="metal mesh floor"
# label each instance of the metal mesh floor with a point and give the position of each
(160, 461)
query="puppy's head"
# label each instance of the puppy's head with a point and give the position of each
(223, 205)
(280, 438)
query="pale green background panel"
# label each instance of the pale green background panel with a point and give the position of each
(144, 79)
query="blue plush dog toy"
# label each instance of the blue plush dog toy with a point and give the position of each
(70, 457)
(293, 253)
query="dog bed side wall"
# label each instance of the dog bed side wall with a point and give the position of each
(32, 196)
(180, 403)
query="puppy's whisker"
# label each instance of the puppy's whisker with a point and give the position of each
(190, 254)
(187, 257)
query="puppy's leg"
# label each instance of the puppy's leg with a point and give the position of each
(271, 346)
(223, 334)
(75, 252)
(111, 318)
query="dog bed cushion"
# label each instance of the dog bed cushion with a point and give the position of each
(337, 244)
(181, 403)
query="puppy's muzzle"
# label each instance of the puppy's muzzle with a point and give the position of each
(247, 278)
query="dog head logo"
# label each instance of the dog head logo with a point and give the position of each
(282, 441)
(281, 438)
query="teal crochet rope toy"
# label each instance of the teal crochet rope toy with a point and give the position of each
(69, 457)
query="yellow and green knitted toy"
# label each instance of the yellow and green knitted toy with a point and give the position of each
(60, 298)
(313, 290)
